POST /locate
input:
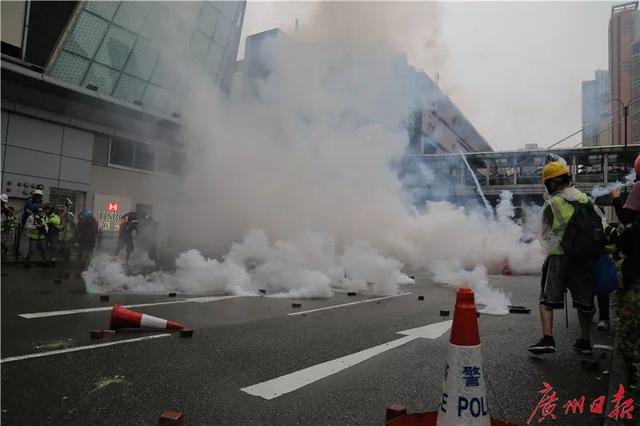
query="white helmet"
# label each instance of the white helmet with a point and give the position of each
(4, 198)
(38, 192)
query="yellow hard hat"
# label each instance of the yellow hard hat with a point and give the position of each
(554, 169)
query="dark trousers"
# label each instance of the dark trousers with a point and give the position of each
(603, 307)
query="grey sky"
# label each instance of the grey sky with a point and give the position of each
(513, 68)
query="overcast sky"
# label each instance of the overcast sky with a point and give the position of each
(513, 68)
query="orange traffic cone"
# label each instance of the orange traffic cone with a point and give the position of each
(126, 318)
(464, 396)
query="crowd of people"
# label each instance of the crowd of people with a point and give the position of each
(579, 247)
(51, 232)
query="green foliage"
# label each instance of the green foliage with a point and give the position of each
(628, 330)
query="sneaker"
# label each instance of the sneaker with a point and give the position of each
(603, 325)
(546, 345)
(583, 346)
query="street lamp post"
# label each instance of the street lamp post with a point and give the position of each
(625, 114)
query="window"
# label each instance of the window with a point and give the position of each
(115, 48)
(132, 14)
(102, 77)
(70, 67)
(213, 58)
(144, 157)
(222, 31)
(87, 35)
(130, 89)
(198, 47)
(142, 60)
(121, 152)
(105, 9)
(207, 20)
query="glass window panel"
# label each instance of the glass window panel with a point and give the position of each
(207, 20)
(86, 35)
(70, 67)
(144, 158)
(217, 5)
(142, 60)
(121, 152)
(130, 89)
(198, 48)
(152, 28)
(102, 77)
(106, 9)
(132, 15)
(222, 31)
(165, 74)
(229, 9)
(115, 48)
(158, 98)
(213, 58)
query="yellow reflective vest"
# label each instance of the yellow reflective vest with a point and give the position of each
(562, 210)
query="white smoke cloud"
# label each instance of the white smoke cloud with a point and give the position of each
(296, 188)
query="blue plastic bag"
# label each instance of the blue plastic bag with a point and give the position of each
(605, 276)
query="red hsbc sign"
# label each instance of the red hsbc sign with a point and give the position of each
(112, 207)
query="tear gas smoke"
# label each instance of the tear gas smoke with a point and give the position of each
(599, 191)
(297, 180)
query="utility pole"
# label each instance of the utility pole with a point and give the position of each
(625, 113)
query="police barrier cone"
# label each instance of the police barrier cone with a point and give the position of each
(126, 318)
(464, 396)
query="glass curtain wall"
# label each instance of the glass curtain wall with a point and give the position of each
(136, 50)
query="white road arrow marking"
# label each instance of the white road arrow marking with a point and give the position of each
(346, 304)
(284, 384)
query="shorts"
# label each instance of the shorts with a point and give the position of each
(560, 273)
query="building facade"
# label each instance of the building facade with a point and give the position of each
(596, 110)
(623, 33)
(91, 96)
(440, 128)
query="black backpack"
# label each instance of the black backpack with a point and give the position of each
(584, 237)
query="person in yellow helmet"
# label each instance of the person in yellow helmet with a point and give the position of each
(560, 271)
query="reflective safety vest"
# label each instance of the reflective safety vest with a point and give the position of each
(562, 211)
(54, 221)
(35, 233)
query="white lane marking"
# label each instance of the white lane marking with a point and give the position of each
(284, 384)
(81, 348)
(346, 304)
(108, 308)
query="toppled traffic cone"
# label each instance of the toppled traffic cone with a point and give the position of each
(126, 318)
(464, 396)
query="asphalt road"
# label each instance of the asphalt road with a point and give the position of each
(243, 341)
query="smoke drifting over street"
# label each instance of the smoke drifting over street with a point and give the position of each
(295, 185)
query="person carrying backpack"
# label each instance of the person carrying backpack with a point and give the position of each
(573, 237)
(86, 234)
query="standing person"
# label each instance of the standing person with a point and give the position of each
(67, 233)
(8, 223)
(86, 233)
(36, 230)
(33, 202)
(53, 232)
(560, 271)
(629, 215)
(126, 230)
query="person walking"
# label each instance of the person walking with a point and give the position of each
(128, 227)
(561, 271)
